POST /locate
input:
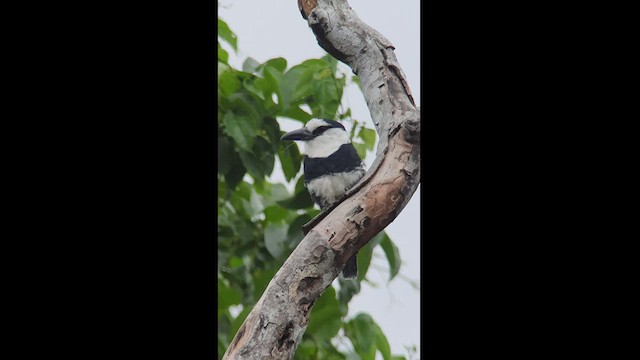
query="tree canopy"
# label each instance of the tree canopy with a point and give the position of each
(260, 219)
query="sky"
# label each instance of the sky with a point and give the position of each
(270, 29)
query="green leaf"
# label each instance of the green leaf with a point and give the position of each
(272, 130)
(313, 212)
(227, 296)
(326, 90)
(250, 65)
(223, 55)
(382, 343)
(222, 67)
(326, 98)
(324, 320)
(297, 114)
(393, 256)
(236, 172)
(228, 83)
(317, 64)
(296, 225)
(275, 236)
(300, 200)
(275, 77)
(273, 70)
(253, 165)
(261, 278)
(345, 115)
(243, 191)
(290, 159)
(296, 85)
(306, 350)
(235, 262)
(259, 162)
(254, 206)
(362, 332)
(361, 149)
(278, 192)
(353, 356)
(348, 288)
(266, 85)
(271, 193)
(275, 214)
(223, 340)
(353, 128)
(369, 137)
(364, 261)
(365, 254)
(241, 128)
(250, 86)
(223, 333)
(356, 81)
(227, 35)
(329, 351)
(224, 148)
(245, 232)
(295, 234)
(222, 192)
(278, 64)
(331, 62)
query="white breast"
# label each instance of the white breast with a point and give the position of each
(330, 187)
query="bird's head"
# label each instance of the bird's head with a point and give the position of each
(321, 137)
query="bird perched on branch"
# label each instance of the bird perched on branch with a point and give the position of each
(331, 167)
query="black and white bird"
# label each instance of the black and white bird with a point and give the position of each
(331, 167)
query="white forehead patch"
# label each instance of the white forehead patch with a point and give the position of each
(315, 123)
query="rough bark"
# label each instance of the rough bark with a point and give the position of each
(277, 322)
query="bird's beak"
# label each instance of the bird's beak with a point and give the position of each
(300, 134)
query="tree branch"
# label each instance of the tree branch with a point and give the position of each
(277, 322)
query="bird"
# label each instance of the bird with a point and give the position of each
(331, 167)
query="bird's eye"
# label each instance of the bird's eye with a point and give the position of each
(320, 130)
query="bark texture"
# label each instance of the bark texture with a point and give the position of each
(277, 322)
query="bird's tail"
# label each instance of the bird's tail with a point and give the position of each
(350, 270)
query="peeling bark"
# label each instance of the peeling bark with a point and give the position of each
(277, 322)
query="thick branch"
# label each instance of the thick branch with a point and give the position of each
(276, 324)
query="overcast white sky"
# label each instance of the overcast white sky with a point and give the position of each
(269, 29)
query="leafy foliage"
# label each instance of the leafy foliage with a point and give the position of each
(260, 221)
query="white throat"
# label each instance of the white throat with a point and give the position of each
(326, 144)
